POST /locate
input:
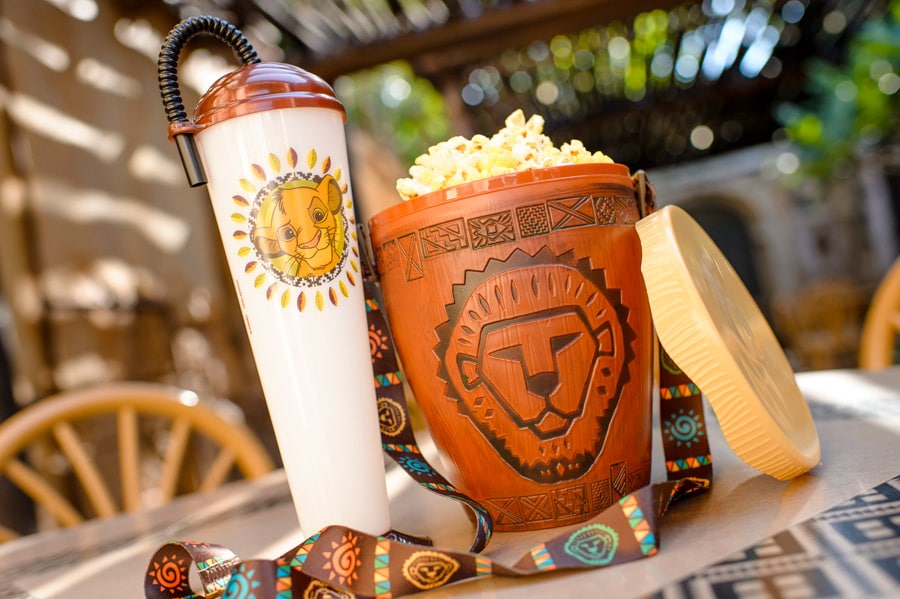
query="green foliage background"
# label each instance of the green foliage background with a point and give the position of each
(852, 106)
(397, 107)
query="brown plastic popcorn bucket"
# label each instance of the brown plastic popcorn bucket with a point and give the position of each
(522, 322)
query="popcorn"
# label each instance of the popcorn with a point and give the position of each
(520, 145)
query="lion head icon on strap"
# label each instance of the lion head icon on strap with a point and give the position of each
(536, 352)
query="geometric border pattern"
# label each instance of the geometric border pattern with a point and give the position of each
(413, 249)
(850, 550)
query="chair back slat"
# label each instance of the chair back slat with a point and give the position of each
(878, 345)
(42, 492)
(176, 449)
(85, 468)
(129, 458)
(137, 407)
(217, 472)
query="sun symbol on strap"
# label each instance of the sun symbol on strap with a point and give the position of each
(243, 583)
(343, 560)
(416, 466)
(377, 342)
(299, 239)
(170, 574)
(683, 428)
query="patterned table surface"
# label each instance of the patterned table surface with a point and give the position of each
(834, 532)
(850, 550)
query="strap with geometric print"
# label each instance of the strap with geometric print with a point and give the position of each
(341, 562)
(682, 423)
(397, 437)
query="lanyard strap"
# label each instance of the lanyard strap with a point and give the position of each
(342, 562)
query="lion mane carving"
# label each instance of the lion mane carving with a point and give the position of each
(536, 352)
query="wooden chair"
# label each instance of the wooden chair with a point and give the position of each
(878, 344)
(179, 424)
(820, 323)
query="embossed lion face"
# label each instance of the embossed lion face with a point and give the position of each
(537, 357)
(536, 367)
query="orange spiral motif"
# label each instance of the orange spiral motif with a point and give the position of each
(376, 342)
(170, 574)
(344, 559)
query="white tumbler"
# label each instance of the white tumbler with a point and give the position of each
(268, 139)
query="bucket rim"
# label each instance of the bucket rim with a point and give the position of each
(615, 172)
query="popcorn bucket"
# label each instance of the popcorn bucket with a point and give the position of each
(270, 139)
(522, 322)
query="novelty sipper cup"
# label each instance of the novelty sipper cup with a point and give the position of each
(268, 141)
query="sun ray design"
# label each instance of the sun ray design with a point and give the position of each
(297, 230)
(343, 559)
(274, 163)
(170, 575)
(258, 172)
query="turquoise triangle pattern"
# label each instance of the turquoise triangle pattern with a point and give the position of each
(303, 553)
(636, 517)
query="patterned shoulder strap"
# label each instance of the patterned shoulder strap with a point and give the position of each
(341, 562)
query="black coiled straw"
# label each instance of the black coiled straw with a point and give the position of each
(167, 72)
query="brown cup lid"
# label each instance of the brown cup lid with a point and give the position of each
(257, 87)
(713, 329)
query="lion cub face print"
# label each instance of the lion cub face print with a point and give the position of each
(294, 230)
(300, 228)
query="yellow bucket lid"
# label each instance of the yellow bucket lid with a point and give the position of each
(713, 329)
